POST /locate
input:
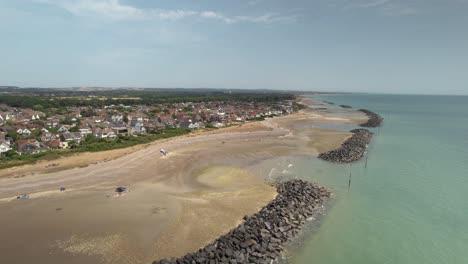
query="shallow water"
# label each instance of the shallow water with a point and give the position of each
(409, 205)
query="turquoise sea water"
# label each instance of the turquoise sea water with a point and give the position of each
(411, 204)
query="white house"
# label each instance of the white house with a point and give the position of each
(105, 133)
(4, 117)
(23, 131)
(85, 131)
(4, 147)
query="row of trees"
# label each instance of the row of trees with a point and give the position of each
(42, 102)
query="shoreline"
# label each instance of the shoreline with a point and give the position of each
(375, 120)
(177, 203)
(353, 149)
(83, 159)
(261, 238)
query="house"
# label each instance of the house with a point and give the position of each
(137, 127)
(119, 128)
(216, 124)
(97, 119)
(55, 143)
(47, 136)
(51, 123)
(104, 133)
(116, 118)
(23, 131)
(71, 137)
(4, 147)
(64, 144)
(75, 114)
(4, 117)
(30, 146)
(154, 126)
(135, 118)
(85, 131)
(189, 125)
(63, 129)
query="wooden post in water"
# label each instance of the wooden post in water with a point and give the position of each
(349, 182)
(367, 155)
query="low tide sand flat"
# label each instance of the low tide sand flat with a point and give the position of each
(177, 203)
(261, 237)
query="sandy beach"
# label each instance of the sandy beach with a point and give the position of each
(175, 203)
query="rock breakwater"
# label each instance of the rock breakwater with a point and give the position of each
(352, 149)
(261, 237)
(375, 120)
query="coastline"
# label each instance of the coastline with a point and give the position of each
(83, 159)
(192, 195)
(261, 238)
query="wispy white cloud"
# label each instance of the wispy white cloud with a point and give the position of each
(372, 3)
(116, 10)
(110, 9)
(385, 7)
(265, 19)
(173, 14)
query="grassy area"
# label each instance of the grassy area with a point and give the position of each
(91, 145)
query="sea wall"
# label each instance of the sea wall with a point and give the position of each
(375, 120)
(261, 237)
(352, 149)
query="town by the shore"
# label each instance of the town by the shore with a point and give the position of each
(171, 204)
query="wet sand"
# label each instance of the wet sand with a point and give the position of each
(176, 203)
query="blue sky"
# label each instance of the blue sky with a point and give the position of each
(389, 46)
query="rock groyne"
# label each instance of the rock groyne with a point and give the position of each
(352, 149)
(261, 237)
(375, 120)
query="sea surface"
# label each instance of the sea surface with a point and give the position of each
(410, 205)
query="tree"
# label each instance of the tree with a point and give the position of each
(73, 144)
(13, 134)
(11, 153)
(89, 112)
(36, 133)
(38, 107)
(74, 129)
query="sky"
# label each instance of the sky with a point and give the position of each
(379, 46)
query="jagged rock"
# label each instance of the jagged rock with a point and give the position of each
(261, 238)
(352, 149)
(375, 120)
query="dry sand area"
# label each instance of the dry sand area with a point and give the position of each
(175, 204)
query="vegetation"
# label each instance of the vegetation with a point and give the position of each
(46, 99)
(91, 144)
(123, 101)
